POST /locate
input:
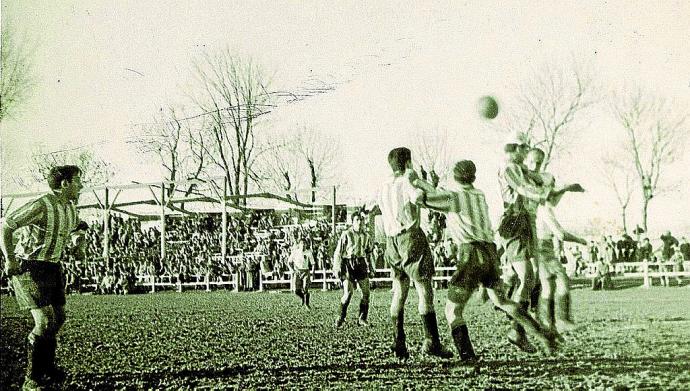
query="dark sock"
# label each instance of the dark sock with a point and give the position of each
(398, 328)
(461, 338)
(363, 310)
(534, 297)
(430, 327)
(36, 351)
(343, 309)
(306, 298)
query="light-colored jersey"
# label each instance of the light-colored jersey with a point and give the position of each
(47, 224)
(468, 221)
(515, 184)
(301, 259)
(397, 203)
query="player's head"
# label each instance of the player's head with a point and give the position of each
(465, 172)
(400, 159)
(66, 180)
(356, 220)
(534, 159)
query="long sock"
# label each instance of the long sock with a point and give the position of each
(343, 309)
(363, 310)
(398, 328)
(463, 344)
(534, 297)
(563, 307)
(546, 313)
(306, 298)
(524, 306)
(35, 350)
(430, 327)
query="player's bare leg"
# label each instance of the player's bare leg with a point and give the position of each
(348, 290)
(364, 304)
(546, 307)
(401, 286)
(432, 341)
(455, 306)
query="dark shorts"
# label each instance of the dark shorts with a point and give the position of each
(522, 247)
(41, 284)
(302, 280)
(408, 255)
(355, 269)
(477, 263)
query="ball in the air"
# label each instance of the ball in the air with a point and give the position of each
(488, 107)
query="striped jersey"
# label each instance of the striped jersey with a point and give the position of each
(353, 244)
(468, 219)
(515, 183)
(44, 227)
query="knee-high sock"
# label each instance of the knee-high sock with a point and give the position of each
(463, 344)
(363, 310)
(398, 328)
(36, 352)
(430, 327)
(563, 307)
(343, 309)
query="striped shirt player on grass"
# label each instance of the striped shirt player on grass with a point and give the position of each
(34, 265)
(351, 266)
(477, 262)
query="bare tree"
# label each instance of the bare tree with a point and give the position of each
(320, 152)
(621, 178)
(279, 170)
(548, 104)
(178, 145)
(16, 81)
(233, 95)
(431, 151)
(95, 170)
(654, 132)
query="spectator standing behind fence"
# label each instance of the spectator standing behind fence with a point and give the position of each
(644, 254)
(677, 259)
(668, 245)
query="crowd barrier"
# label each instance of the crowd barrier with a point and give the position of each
(326, 279)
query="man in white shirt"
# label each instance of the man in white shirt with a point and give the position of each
(408, 253)
(554, 301)
(301, 263)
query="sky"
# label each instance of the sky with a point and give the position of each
(398, 69)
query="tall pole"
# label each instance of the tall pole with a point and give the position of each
(162, 222)
(333, 213)
(224, 219)
(106, 227)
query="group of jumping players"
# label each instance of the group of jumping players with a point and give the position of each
(533, 271)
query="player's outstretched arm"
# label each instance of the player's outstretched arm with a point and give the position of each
(441, 201)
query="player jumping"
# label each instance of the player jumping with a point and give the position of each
(477, 262)
(554, 302)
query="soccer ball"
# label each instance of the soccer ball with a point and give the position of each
(488, 107)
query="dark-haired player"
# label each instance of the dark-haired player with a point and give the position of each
(408, 253)
(350, 264)
(37, 276)
(477, 262)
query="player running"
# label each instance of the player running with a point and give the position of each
(301, 263)
(37, 275)
(554, 301)
(408, 254)
(477, 263)
(351, 266)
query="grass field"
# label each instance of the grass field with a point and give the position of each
(631, 339)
